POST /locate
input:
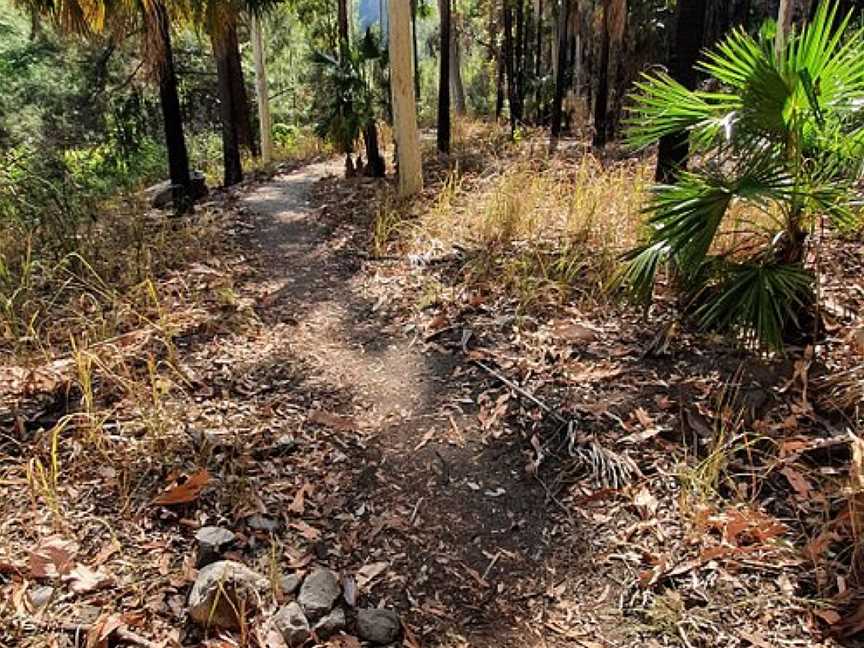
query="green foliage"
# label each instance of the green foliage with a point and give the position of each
(777, 146)
(347, 95)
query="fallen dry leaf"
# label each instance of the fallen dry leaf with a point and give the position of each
(52, 557)
(83, 579)
(797, 481)
(298, 505)
(334, 421)
(102, 629)
(367, 573)
(185, 492)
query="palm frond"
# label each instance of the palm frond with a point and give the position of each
(760, 300)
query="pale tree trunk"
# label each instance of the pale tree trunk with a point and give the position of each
(264, 119)
(404, 105)
(784, 24)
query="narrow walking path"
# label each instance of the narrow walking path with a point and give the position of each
(406, 481)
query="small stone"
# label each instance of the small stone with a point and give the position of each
(292, 625)
(331, 624)
(319, 592)
(222, 590)
(39, 597)
(262, 523)
(290, 583)
(378, 626)
(212, 542)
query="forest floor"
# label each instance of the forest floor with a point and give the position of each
(364, 406)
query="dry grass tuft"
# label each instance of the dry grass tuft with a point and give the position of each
(545, 228)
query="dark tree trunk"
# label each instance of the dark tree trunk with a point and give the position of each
(342, 11)
(510, 68)
(240, 97)
(560, 79)
(172, 117)
(444, 80)
(416, 50)
(457, 88)
(375, 163)
(499, 86)
(521, 33)
(690, 32)
(601, 103)
(538, 52)
(230, 133)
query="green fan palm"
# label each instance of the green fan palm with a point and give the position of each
(775, 146)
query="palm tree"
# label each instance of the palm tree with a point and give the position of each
(780, 146)
(444, 79)
(89, 17)
(689, 34)
(404, 103)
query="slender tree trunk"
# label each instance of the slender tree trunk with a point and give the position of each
(563, 22)
(444, 80)
(521, 33)
(601, 103)
(689, 36)
(499, 86)
(784, 24)
(404, 103)
(233, 169)
(264, 120)
(344, 29)
(172, 117)
(416, 49)
(242, 110)
(538, 52)
(510, 68)
(457, 88)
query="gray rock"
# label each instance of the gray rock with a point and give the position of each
(318, 593)
(331, 624)
(212, 542)
(292, 625)
(290, 584)
(39, 597)
(378, 626)
(161, 195)
(260, 522)
(222, 590)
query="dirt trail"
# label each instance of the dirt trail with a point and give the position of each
(458, 522)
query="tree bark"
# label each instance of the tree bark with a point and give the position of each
(264, 120)
(510, 69)
(375, 165)
(242, 110)
(404, 105)
(601, 104)
(416, 49)
(172, 117)
(444, 80)
(689, 36)
(344, 28)
(560, 77)
(784, 24)
(233, 168)
(457, 88)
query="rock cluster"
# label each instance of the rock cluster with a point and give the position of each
(226, 589)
